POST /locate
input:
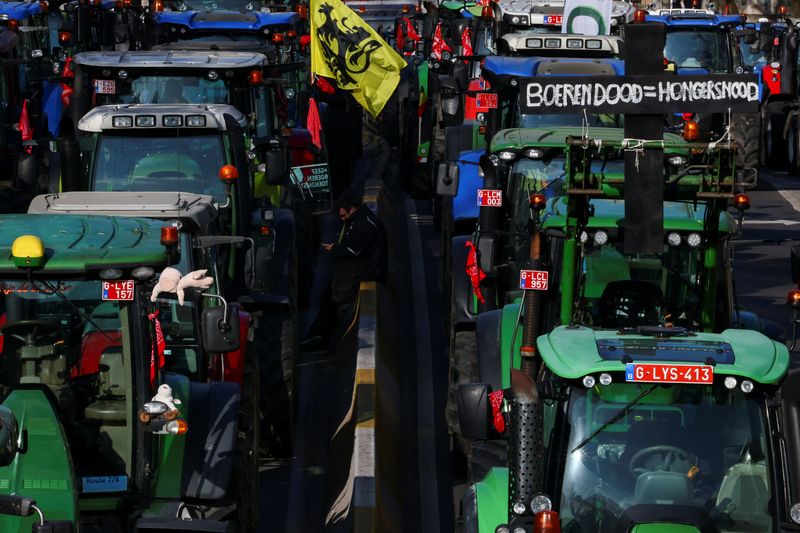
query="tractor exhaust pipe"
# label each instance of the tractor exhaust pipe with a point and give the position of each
(525, 455)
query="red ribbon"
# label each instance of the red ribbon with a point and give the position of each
(476, 275)
(496, 401)
(466, 43)
(313, 123)
(24, 126)
(158, 348)
(439, 45)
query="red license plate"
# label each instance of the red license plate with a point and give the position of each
(118, 290)
(105, 86)
(554, 19)
(664, 373)
(490, 198)
(533, 280)
(486, 101)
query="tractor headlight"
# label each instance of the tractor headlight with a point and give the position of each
(694, 240)
(122, 122)
(507, 155)
(600, 237)
(540, 503)
(673, 238)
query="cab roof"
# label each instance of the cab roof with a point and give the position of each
(101, 118)
(226, 20)
(77, 244)
(196, 210)
(561, 44)
(498, 67)
(171, 59)
(573, 352)
(691, 20)
(19, 10)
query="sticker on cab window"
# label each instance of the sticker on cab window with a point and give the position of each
(104, 483)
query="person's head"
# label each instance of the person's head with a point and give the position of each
(347, 203)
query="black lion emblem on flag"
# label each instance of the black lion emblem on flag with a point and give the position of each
(346, 49)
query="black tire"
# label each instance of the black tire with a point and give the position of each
(463, 370)
(247, 446)
(276, 337)
(775, 149)
(746, 130)
(792, 149)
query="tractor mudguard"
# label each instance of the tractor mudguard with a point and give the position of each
(209, 456)
(487, 335)
(465, 202)
(44, 471)
(461, 286)
(284, 226)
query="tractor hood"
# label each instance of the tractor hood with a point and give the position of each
(574, 352)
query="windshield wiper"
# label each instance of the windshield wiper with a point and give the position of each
(616, 418)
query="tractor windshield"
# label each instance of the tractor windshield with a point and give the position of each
(576, 120)
(629, 290)
(186, 163)
(79, 346)
(684, 453)
(698, 49)
(168, 90)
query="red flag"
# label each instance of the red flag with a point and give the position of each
(410, 31)
(157, 351)
(466, 43)
(67, 72)
(66, 94)
(313, 123)
(24, 126)
(399, 37)
(476, 275)
(439, 45)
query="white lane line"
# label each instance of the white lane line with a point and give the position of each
(767, 222)
(790, 195)
(426, 451)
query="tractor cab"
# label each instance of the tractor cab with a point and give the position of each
(548, 17)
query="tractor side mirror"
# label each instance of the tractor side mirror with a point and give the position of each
(221, 329)
(474, 412)
(275, 167)
(794, 259)
(9, 436)
(447, 179)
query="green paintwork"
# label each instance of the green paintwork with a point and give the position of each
(678, 216)
(664, 528)
(492, 495)
(44, 473)
(572, 353)
(77, 243)
(169, 468)
(521, 138)
(508, 325)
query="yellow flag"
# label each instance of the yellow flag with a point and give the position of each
(347, 49)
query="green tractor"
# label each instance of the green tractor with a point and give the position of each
(647, 406)
(104, 425)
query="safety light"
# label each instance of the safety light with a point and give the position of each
(291, 34)
(277, 38)
(362, 9)
(228, 173)
(27, 251)
(588, 381)
(546, 522)
(507, 155)
(691, 131)
(172, 121)
(687, 117)
(730, 382)
(783, 10)
(64, 37)
(518, 508)
(600, 237)
(301, 10)
(45, 7)
(487, 12)
(694, 240)
(741, 201)
(142, 273)
(639, 16)
(540, 503)
(746, 386)
(406, 8)
(155, 408)
(793, 298)
(158, 6)
(177, 427)
(122, 121)
(673, 238)
(145, 121)
(537, 201)
(418, 9)
(605, 379)
(255, 77)
(110, 273)
(169, 235)
(196, 121)
(534, 153)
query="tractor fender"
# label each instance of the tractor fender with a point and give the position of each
(209, 451)
(487, 334)
(465, 203)
(461, 286)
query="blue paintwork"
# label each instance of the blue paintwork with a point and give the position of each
(20, 10)
(695, 21)
(52, 106)
(465, 202)
(529, 66)
(187, 18)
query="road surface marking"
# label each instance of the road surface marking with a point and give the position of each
(766, 222)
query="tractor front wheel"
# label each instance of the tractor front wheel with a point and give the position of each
(746, 130)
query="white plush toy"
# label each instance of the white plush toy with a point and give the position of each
(164, 395)
(172, 281)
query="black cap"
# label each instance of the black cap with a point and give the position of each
(349, 198)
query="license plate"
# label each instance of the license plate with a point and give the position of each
(554, 19)
(118, 290)
(661, 373)
(105, 87)
(486, 101)
(490, 198)
(533, 280)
